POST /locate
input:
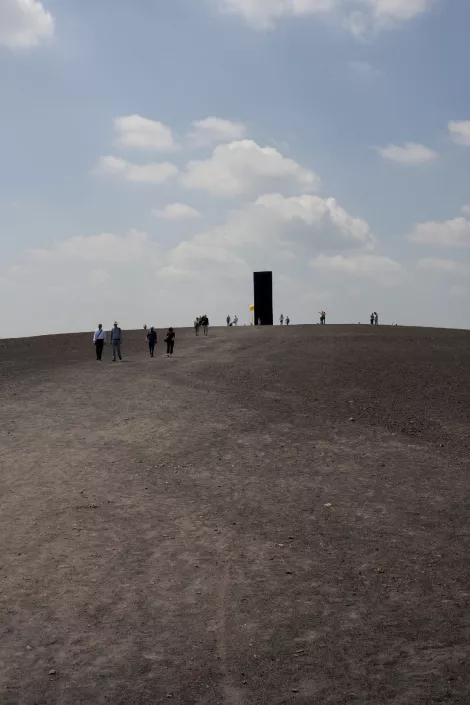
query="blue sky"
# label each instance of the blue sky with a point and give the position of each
(328, 140)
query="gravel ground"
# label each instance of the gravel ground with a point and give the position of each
(275, 515)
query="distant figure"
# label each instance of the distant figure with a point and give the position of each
(259, 321)
(205, 324)
(170, 342)
(116, 340)
(322, 317)
(376, 318)
(152, 340)
(235, 320)
(197, 324)
(281, 319)
(372, 319)
(287, 320)
(228, 320)
(99, 339)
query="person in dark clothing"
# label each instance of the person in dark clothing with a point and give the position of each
(372, 319)
(152, 340)
(99, 339)
(205, 324)
(170, 342)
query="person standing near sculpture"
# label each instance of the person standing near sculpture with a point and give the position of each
(116, 340)
(99, 339)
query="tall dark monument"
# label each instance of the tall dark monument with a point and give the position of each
(263, 286)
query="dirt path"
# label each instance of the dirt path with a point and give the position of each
(213, 529)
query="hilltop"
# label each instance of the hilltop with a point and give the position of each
(276, 515)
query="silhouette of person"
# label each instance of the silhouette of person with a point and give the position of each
(170, 342)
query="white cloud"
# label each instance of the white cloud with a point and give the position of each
(177, 211)
(359, 15)
(153, 173)
(214, 130)
(383, 269)
(245, 167)
(134, 246)
(273, 231)
(364, 69)
(140, 133)
(323, 216)
(411, 153)
(460, 132)
(458, 290)
(466, 210)
(450, 266)
(454, 232)
(99, 277)
(24, 23)
(262, 14)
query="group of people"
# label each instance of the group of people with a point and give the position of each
(152, 340)
(232, 322)
(115, 339)
(202, 322)
(282, 319)
(374, 319)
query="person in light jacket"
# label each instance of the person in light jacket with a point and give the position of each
(116, 340)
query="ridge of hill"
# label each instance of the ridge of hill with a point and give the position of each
(275, 515)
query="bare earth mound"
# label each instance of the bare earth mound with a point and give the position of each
(273, 516)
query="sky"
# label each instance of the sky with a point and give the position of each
(154, 154)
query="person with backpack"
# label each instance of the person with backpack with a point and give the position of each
(170, 342)
(116, 340)
(99, 339)
(152, 340)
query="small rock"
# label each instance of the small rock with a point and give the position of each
(288, 572)
(328, 504)
(29, 648)
(295, 690)
(52, 672)
(352, 419)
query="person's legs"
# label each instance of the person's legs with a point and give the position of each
(172, 346)
(168, 345)
(114, 351)
(118, 349)
(99, 349)
(151, 348)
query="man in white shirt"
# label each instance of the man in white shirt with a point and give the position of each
(99, 340)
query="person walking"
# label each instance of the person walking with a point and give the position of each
(228, 320)
(152, 340)
(170, 342)
(235, 320)
(205, 324)
(116, 340)
(376, 318)
(99, 339)
(322, 317)
(372, 319)
(197, 325)
(281, 319)
(287, 320)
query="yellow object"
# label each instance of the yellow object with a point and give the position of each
(252, 307)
